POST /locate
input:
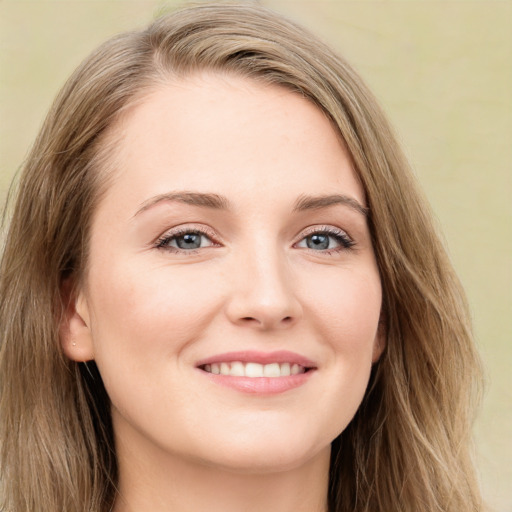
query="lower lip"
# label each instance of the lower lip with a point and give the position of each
(260, 385)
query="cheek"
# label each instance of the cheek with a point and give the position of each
(151, 308)
(144, 320)
(345, 308)
(346, 305)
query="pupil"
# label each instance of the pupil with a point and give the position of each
(318, 242)
(189, 241)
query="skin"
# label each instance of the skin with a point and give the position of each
(148, 314)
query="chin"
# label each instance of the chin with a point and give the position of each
(267, 454)
(265, 463)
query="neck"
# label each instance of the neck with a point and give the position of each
(181, 485)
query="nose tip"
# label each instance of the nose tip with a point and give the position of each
(265, 300)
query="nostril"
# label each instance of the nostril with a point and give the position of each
(250, 319)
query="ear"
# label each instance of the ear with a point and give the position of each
(74, 328)
(379, 343)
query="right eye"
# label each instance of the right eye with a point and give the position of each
(185, 240)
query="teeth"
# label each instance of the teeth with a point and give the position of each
(253, 370)
(239, 369)
(272, 370)
(285, 369)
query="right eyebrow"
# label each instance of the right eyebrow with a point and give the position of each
(204, 200)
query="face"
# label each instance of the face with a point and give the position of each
(232, 297)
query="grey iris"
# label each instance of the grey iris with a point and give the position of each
(317, 241)
(189, 241)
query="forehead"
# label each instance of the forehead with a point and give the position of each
(220, 133)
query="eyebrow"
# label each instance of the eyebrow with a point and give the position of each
(305, 202)
(213, 201)
(218, 202)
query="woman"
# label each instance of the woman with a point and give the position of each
(221, 289)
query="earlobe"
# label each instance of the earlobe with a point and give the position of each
(74, 328)
(380, 341)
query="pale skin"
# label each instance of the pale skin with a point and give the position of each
(234, 222)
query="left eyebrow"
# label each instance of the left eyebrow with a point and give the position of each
(305, 202)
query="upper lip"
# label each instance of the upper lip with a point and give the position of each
(253, 356)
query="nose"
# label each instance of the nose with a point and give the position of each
(263, 293)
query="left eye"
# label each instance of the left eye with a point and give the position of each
(322, 241)
(186, 241)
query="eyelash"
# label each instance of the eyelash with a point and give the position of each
(340, 236)
(164, 241)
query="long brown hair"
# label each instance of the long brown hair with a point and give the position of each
(407, 448)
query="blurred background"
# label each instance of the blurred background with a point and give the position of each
(443, 72)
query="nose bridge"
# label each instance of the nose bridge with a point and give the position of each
(263, 292)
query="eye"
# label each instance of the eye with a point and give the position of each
(326, 240)
(185, 240)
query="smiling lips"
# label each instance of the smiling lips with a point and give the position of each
(256, 372)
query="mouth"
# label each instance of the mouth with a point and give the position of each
(254, 370)
(258, 372)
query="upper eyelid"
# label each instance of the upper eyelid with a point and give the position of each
(190, 228)
(322, 229)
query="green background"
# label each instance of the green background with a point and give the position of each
(443, 72)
